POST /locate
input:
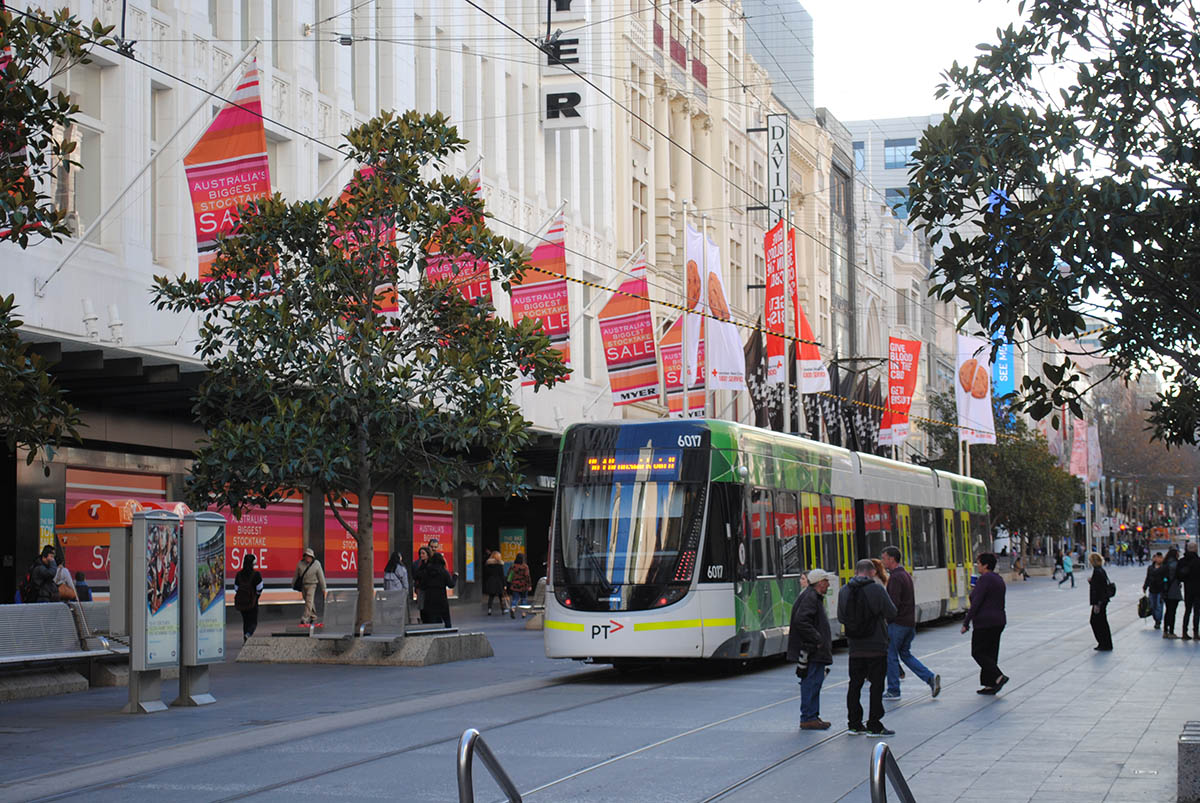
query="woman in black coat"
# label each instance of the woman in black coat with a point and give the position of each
(1098, 596)
(493, 581)
(434, 580)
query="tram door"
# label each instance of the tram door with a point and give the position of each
(905, 519)
(964, 533)
(843, 522)
(952, 557)
(810, 522)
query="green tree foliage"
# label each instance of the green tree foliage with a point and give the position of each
(313, 385)
(1028, 493)
(33, 411)
(1086, 119)
(35, 121)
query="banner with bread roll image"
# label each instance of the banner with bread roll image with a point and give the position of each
(973, 391)
(726, 365)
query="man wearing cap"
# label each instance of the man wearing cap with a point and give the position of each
(310, 578)
(810, 645)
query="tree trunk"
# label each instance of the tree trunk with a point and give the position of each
(365, 610)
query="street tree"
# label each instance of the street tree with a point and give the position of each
(35, 123)
(1028, 493)
(1064, 181)
(335, 367)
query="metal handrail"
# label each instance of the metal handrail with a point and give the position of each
(467, 745)
(883, 769)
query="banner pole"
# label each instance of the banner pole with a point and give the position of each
(683, 354)
(704, 305)
(39, 287)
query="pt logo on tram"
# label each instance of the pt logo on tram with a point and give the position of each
(603, 631)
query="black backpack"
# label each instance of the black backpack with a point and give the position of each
(859, 622)
(28, 589)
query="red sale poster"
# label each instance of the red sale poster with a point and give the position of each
(341, 549)
(433, 526)
(274, 535)
(542, 292)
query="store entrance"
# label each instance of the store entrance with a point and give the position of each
(519, 525)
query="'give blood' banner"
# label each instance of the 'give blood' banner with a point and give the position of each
(774, 244)
(903, 359)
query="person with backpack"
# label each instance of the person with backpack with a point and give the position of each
(1154, 586)
(1100, 591)
(39, 585)
(248, 587)
(810, 646)
(864, 609)
(987, 616)
(519, 583)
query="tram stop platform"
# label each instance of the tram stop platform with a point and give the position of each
(1073, 724)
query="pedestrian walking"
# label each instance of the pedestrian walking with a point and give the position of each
(864, 609)
(1058, 564)
(1189, 575)
(309, 580)
(1068, 567)
(1174, 591)
(434, 581)
(1018, 568)
(493, 581)
(810, 645)
(519, 583)
(247, 588)
(986, 616)
(1154, 587)
(1099, 593)
(903, 628)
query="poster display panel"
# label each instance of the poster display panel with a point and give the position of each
(512, 542)
(341, 549)
(433, 521)
(204, 625)
(155, 565)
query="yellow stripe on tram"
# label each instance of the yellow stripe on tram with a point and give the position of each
(574, 627)
(682, 624)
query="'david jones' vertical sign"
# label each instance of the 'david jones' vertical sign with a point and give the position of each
(564, 94)
(777, 167)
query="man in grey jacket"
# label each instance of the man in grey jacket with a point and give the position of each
(864, 609)
(810, 645)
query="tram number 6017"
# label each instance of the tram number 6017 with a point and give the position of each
(689, 440)
(716, 572)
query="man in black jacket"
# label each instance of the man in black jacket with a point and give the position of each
(864, 609)
(1189, 573)
(42, 573)
(810, 645)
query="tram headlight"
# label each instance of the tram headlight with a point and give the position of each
(564, 599)
(671, 595)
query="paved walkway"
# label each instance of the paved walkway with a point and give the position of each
(1072, 725)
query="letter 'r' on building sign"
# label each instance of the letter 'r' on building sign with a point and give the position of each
(777, 167)
(563, 105)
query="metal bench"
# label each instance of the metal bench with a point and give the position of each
(391, 618)
(338, 621)
(92, 623)
(539, 599)
(43, 632)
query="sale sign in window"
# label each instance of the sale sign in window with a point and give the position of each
(341, 548)
(433, 525)
(274, 535)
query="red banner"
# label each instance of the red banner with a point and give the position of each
(627, 331)
(471, 276)
(542, 292)
(903, 359)
(433, 526)
(774, 246)
(228, 167)
(670, 351)
(341, 548)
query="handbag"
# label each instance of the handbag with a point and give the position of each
(1143, 607)
(298, 581)
(65, 592)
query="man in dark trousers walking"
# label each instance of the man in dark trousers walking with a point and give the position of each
(987, 616)
(864, 609)
(902, 630)
(810, 645)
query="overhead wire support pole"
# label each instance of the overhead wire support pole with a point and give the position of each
(39, 287)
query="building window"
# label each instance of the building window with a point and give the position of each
(641, 216)
(897, 151)
(77, 190)
(639, 102)
(902, 308)
(896, 199)
(697, 40)
(159, 126)
(860, 156)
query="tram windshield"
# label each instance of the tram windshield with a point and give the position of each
(621, 542)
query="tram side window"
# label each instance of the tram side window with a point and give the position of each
(787, 526)
(981, 534)
(810, 517)
(762, 535)
(880, 518)
(924, 539)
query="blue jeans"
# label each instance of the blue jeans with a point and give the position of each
(1156, 606)
(899, 649)
(810, 692)
(520, 598)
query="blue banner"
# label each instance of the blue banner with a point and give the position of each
(1003, 370)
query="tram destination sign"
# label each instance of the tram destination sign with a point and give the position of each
(659, 465)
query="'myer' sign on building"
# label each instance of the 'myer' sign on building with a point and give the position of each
(564, 94)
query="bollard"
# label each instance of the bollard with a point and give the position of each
(1188, 764)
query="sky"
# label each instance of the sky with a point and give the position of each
(877, 59)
